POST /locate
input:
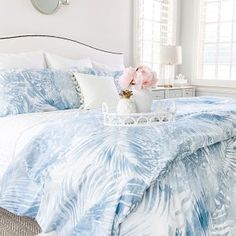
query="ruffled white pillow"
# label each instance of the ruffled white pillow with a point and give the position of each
(62, 63)
(108, 68)
(27, 60)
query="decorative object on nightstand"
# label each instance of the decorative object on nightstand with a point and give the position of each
(126, 105)
(170, 56)
(140, 81)
(180, 81)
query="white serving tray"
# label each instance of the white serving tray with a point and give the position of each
(136, 119)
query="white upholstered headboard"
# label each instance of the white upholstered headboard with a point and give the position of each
(59, 45)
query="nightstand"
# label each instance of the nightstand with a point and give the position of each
(174, 92)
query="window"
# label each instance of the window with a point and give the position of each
(155, 26)
(216, 56)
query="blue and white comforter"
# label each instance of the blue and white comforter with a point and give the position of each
(77, 177)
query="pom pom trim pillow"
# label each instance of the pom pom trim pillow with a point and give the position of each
(29, 91)
(97, 89)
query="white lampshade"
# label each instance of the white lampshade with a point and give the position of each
(171, 55)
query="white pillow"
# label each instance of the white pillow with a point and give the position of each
(63, 63)
(97, 89)
(103, 67)
(27, 60)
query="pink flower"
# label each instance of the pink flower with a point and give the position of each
(127, 79)
(142, 78)
(147, 78)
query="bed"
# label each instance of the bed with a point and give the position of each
(76, 176)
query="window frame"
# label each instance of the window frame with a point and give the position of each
(196, 80)
(175, 25)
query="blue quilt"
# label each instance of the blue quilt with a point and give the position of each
(77, 177)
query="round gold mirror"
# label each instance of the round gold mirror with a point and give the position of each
(46, 6)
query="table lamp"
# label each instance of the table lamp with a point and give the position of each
(170, 56)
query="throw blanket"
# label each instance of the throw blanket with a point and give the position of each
(77, 177)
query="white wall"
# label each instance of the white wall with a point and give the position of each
(187, 39)
(187, 36)
(105, 24)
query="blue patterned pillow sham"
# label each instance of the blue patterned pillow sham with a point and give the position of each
(28, 91)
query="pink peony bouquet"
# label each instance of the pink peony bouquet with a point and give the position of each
(140, 78)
